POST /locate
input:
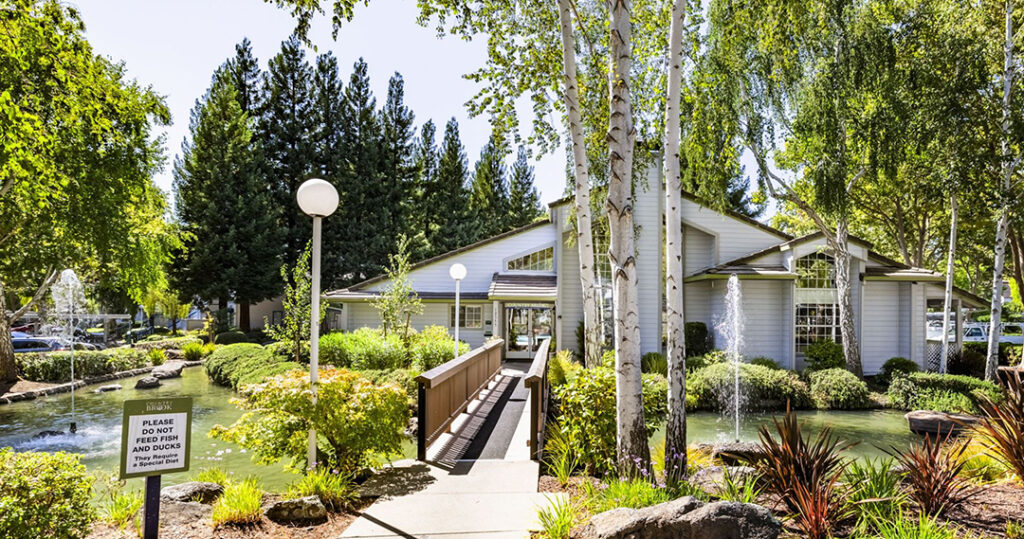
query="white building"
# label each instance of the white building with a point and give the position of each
(524, 285)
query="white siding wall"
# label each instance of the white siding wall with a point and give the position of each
(434, 314)
(736, 238)
(648, 218)
(697, 303)
(881, 324)
(570, 295)
(698, 250)
(918, 310)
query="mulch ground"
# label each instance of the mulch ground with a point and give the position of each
(21, 386)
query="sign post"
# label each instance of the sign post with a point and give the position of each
(155, 439)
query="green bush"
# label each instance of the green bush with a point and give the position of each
(404, 378)
(432, 347)
(230, 337)
(240, 364)
(970, 361)
(562, 368)
(698, 340)
(587, 418)
(284, 351)
(44, 495)
(56, 366)
(173, 343)
(895, 365)
(838, 389)
(208, 349)
(364, 349)
(766, 362)
(712, 357)
(192, 351)
(1009, 353)
(654, 362)
(156, 357)
(355, 420)
(762, 388)
(825, 354)
(940, 392)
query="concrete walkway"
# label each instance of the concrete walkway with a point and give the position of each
(479, 481)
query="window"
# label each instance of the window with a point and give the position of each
(815, 271)
(470, 316)
(817, 312)
(816, 322)
(542, 260)
(974, 332)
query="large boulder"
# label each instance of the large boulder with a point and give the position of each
(171, 369)
(927, 422)
(187, 515)
(192, 491)
(733, 453)
(305, 510)
(147, 382)
(685, 518)
(110, 387)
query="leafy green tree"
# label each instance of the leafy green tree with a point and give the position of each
(294, 327)
(452, 226)
(523, 201)
(489, 197)
(77, 156)
(398, 302)
(228, 218)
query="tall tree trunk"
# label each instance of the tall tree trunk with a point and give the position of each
(8, 367)
(844, 289)
(631, 434)
(675, 428)
(995, 324)
(1017, 256)
(947, 300)
(584, 227)
(244, 322)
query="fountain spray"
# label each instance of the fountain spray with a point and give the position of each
(733, 326)
(67, 292)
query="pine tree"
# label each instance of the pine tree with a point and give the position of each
(524, 202)
(244, 70)
(452, 227)
(425, 190)
(365, 249)
(396, 171)
(287, 128)
(229, 219)
(489, 199)
(330, 163)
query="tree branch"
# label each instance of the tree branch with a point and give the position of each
(50, 278)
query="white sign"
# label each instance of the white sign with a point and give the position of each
(155, 436)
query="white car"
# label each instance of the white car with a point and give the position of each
(1013, 332)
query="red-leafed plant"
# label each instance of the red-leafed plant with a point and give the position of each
(934, 475)
(1001, 428)
(803, 474)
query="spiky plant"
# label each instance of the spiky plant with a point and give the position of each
(1001, 429)
(934, 474)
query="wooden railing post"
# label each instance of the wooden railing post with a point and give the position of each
(536, 381)
(421, 421)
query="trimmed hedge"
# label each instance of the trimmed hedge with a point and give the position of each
(838, 389)
(44, 495)
(230, 337)
(173, 343)
(825, 354)
(698, 339)
(940, 392)
(368, 349)
(56, 366)
(241, 364)
(765, 362)
(896, 365)
(761, 388)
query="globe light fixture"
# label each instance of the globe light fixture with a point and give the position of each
(458, 273)
(318, 199)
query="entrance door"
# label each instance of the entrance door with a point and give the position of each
(527, 326)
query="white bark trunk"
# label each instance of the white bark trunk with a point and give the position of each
(844, 289)
(634, 454)
(995, 324)
(675, 428)
(584, 228)
(947, 300)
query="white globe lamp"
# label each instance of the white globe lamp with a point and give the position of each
(317, 198)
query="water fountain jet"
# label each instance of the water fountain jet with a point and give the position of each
(731, 327)
(68, 299)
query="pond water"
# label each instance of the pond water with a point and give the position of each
(873, 431)
(98, 439)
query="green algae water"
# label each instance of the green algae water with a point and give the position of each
(99, 416)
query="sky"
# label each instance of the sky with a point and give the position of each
(175, 47)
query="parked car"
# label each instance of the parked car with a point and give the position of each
(37, 344)
(1013, 332)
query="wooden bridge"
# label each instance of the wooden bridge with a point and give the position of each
(480, 430)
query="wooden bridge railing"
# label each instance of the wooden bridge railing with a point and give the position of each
(446, 390)
(536, 381)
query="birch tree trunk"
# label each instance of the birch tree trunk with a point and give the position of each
(844, 289)
(584, 228)
(8, 367)
(631, 434)
(1017, 256)
(947, 301)
(995, 324)
(675, 428)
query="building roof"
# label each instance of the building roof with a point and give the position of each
(516, 287)
(743, 271)
(370, 295)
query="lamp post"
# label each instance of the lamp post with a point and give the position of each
(317, 199)
(457, 272)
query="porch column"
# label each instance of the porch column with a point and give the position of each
(497, 321)
(957, 304)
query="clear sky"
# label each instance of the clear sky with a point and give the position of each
(176, 45)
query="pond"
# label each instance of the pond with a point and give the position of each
(98, 439)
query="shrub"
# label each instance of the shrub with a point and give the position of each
(562, 368)
(336, 491)
(1009, 354)
(838, 389)
(208, 349)
(940, 392)
(164, 343)
(895, 365)
(765, 362)
(933, 474)
(244, 363)
(156, 357)
(248, 374)
(432, 347)
(239, 504)
(404, 378)
(711, 357)
(654, 362)
(285, 351)
(760, 387)
(632, 493)
(608, 359)
(56, 366)
(587, 419)
(825, 354)
(560, 458)
(970, 361)
(364, 349)
(354, 419)
(698, 340)
(230, 337)
(44, 495)
(192, 351)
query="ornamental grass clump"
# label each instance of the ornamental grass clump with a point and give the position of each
(193, 351)
(872, 492)
(1001, 429)
(337, 491)
(355, 420)
(239, 504)
(934, 474)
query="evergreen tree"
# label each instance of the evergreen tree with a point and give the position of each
(330, 162)
(244, 71)
(524, 202)
(452, 227)
(741, 200)
(489, 200)
(396, 171)
(364, 249)
(230, 221)
(287, 129)
(426, 188)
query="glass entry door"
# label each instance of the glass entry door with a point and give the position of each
(526, 328)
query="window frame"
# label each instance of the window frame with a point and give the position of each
(540, 252)
(464, 317)
(817, 325)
